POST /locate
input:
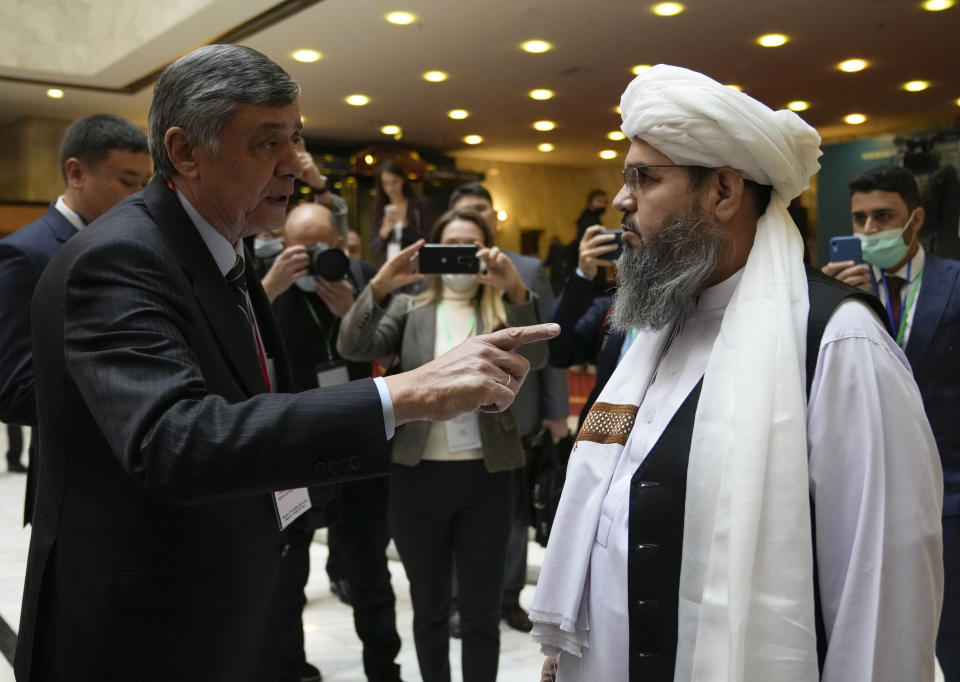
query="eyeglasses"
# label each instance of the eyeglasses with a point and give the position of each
(635, 177)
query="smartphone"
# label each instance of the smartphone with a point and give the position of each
(618, 240)
(845, 248)
(440, 259)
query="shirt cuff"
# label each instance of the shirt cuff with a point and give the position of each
(389, 419)
(582, 275)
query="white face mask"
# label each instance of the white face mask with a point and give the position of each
(460, 282)
(307, 283)
(265, 248)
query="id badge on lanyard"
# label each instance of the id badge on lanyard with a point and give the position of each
(332, 374)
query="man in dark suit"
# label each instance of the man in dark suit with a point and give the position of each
(308, 315)
(103, 159)
(172, 456)
(543, 402)
(921, 294)
(585, 335)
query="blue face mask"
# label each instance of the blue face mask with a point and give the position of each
(885, 249)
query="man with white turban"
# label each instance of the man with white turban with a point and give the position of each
(740, 507)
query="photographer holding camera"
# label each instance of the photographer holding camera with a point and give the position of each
(322, 283)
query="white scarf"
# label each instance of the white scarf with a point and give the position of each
(746, 583)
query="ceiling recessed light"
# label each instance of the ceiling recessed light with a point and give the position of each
(390, 130)
(772, 40)
(640, 68)
(458, 114)
(536, 46)
(369, 159)
(798, 105)
(734, 86)
(544, 126)
(616, 135)
(937, 5)
(617, 109)
(357, 100)
(501, 216)
(608, 154)
(544, 147)
(541, 94)
(957, 102)
(473, 139)
(401, 18)
(667, 9)
(852, 65)
(435, 76)
(854, 119)
(306, 56)
(916, 86)
(55, 93)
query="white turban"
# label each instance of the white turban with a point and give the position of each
(746, 580)
(696, 121)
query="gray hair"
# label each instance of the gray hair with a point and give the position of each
(200, 91)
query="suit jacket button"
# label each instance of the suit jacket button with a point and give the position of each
(320, 468)
(334, 467)
(354, 463)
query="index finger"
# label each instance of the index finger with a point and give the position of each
(411, 250)
(513, 337)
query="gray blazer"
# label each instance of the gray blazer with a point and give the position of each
(368, 331)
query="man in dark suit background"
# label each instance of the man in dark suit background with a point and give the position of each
(103, 159)
(921, 294)
(308, 315)
(542, 402)
(171, 456)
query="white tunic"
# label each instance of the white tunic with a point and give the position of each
(876, 484)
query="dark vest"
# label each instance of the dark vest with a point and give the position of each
(657, 498)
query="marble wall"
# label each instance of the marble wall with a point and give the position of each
(544, 197)
(29, 160)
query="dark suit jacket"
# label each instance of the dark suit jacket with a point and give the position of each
(156, 547)
(23, 257)
(933, 350)
(584, 334)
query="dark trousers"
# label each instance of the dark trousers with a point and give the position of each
(948, 637)
(14, 443)
(362, 537)
(293, 577)
(445, 510)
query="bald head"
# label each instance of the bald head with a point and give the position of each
(308, 224)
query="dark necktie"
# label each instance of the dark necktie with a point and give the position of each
(236, 278)
(894, 286)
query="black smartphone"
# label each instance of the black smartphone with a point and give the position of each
(618, 240)
(845, 248)
(441, 259)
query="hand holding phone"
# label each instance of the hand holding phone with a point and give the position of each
(845, 249)
(846, 263)
(598, 247)
(443, 259)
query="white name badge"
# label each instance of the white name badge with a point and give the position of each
(393, 248)
(290, 504)
(463, 433)
(331, 374)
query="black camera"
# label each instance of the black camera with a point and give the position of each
(329, 263)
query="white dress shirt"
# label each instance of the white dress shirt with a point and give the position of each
(72, 216)
(875, 480)
(914, 267)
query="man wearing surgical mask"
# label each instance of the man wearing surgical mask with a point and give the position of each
(308, 311)
(921, 294)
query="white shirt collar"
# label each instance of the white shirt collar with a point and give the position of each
(72, 216)
(224, 253)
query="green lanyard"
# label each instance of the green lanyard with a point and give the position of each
(906, 309)
(446, 327)
(326, 335)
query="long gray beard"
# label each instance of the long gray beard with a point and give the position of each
(661, 279)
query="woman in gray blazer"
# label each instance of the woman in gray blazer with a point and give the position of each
(450, 493)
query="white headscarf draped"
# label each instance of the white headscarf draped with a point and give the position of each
(746, 584)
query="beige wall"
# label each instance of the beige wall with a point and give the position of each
(548, 198)
(29, 160)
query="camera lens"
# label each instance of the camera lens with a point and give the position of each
(331, 264)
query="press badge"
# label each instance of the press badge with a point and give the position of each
(331, 374)
(290, 504)
(463, 433)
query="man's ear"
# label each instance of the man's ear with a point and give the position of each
(725, 194)
(75, 171)
(918, 219)
(182, 151)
